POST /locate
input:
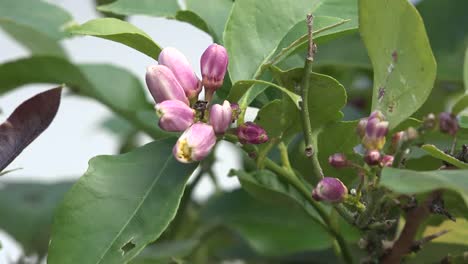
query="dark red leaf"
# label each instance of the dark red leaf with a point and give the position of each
(26, 123)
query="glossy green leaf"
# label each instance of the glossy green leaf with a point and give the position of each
(263, 224)
(403, 63)
(280, 118)
(35, 41)
(326, 96)
(410, 182)
(121, 204)
(244, 92)
(165, 252)
(193, 19)
(27, 210)
(214, 12)
(119, 31)
(445, 23)
(37, 15)
(97, 81)
(163, 8)
(439, 154)
(266, 23)
(460, 105)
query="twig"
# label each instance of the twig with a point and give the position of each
(417, 245)
(306, 125)
(414, 218)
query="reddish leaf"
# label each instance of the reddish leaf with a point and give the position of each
(27, 122)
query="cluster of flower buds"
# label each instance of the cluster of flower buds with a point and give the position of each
(330, 190)
(373, 130)
(175, 88)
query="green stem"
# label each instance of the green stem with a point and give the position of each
(285, 156)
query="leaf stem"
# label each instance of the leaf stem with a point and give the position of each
(285, 156)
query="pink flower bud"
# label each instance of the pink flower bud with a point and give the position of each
(221, 117)
(375, 132)
(377, 115)
(361, 127)
(251, 133)
(386, 161)
(330, 190)
(397, 140)
(372, 157)
(174, 116)
(213, 64)
(338, 160)
(163, 85)
(448, 123)
(195, 143)
(180, 66)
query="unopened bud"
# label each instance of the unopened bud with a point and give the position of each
(213, 64)
(397, 140)
(411, 134)
(338, 160)
(180, 66)
(330, 190)
(251, 133)
(195, 143)
(372, 157)
(163, 85)
(221, 117)
(361, 127)
(448, 123)
(174, 115)
(386, 161)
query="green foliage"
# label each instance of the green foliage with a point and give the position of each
(404, 67)
(263, 225)
(132, 198)
(410, 182)
(119, 31)
(28, 211)
(164, 8)
(437, 153)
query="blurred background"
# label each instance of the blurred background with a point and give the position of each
(62, 152)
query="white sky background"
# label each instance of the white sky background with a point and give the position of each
(63, 150)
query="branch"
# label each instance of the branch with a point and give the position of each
(414, 218)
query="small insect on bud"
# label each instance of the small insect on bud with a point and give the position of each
(338, 160)
(163, 85)
(180, 66)
(372, 157)
(213, 64)
(174, 115)
(195, 143)
(221, 117)
(448, 123)
(386, 161)
(235, 111)
(330, 190)
(251, 133)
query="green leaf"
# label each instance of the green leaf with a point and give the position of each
(35, 41)
(447, 34)
(214, 12)
(266, 23)
(99, 81)
(119, 31)
(463, 121)
(460, 105)
(458, 231)
(165, 252)
(326, 95)
(435, 252)
(193, 19)
(243, 92)
(121, 204)
(403, 63)
(37, 15)
(280, 119)
(264, 225)
(411, 182)
(465, 70)
(439, 154)
(27, 210)
(163, 8)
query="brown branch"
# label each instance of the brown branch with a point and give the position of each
(414, 218)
